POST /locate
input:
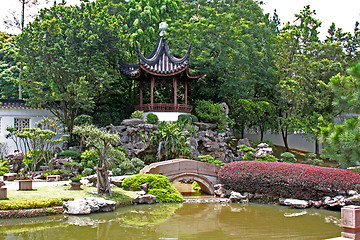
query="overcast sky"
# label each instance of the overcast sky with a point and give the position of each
(344, 13)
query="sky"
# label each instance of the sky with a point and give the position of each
(344, 13)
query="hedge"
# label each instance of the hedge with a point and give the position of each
(159, 186)
(293, 180)
(32, 204)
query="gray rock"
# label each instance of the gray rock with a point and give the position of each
(244, 141)
(296, 203)
(144, 199)
(335, 202)
(132, 122)
(117, 180)
(263, 145)
(248, 195)
(205, 126)
(221, 191)
(316, 204)
(77, 207)
(236, 197)
(144, 186)
(100, 204)
(352, 193)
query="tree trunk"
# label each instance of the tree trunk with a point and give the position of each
(284, 137)
(103, 180)
(317, 150)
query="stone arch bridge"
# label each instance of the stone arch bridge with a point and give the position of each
(205, 174)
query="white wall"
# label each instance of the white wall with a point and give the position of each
(7, 119)
(295, 141)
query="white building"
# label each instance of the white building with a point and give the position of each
(15, 113)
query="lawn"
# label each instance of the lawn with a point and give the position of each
(119, 195)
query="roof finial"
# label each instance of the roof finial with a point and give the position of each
(162, 27)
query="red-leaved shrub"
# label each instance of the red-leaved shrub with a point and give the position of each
(288, 179)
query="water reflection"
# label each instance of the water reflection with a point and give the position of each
(181, 221)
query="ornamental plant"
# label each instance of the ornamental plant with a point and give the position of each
(159, 186)
(288, 157)
(137, 114)
(152, 118)
(210, 112)
(282, 179)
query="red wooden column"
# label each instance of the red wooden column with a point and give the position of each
(186, 91)
(175, 92)
(141, 94)
(152, 93)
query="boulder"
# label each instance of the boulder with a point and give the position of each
(205, 126)
(296, 203)
(15, 159)
(221, 191)
(132, 122)
(335, 202)
(144, 186)
(77, 207)
(244, 141)
(144, 199)
(88, 205)
(236, 197)
(117, 180)
(100, 204)
(263, 149)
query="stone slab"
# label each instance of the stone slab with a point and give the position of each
(53, 178)
(25, 185)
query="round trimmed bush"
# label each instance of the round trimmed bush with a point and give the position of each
(159, 186)
(282, 179)
(152, 118)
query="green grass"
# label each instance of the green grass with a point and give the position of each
(120, 196)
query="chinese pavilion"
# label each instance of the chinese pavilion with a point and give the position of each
(160, 66)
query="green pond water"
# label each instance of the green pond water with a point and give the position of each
(181, 221)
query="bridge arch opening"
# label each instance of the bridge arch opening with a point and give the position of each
(204, 183)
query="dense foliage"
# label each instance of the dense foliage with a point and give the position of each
(159, 186)
(342, 140)
(288, 179)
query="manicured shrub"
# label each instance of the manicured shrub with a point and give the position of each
(31, 204)
(87, 172)
(185, 118)
(299, 181)
(152, 118)
(288, 157)
(194, 118)
(159, 186)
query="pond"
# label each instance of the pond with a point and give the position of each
(181, 221)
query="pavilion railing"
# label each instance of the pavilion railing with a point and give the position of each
(164, 107)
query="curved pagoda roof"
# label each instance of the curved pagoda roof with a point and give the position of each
(159, 63)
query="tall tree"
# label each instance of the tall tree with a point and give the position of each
(231, 43)
(70, 54)
(305, 65)
(9, 70)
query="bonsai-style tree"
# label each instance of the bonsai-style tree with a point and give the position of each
(101, 142)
